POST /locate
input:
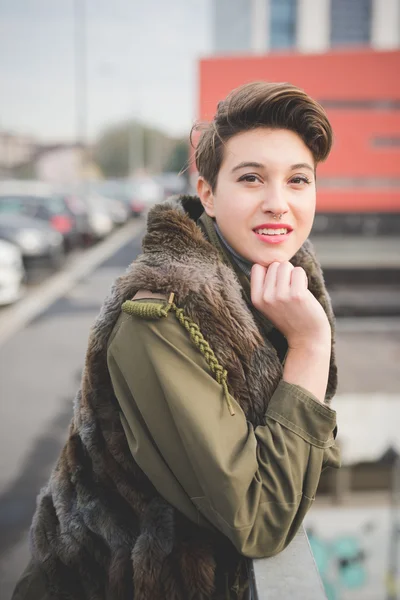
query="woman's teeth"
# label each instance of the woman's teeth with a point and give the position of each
(272, 231)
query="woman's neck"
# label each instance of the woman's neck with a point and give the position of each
(244, 264)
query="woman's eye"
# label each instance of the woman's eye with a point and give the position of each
(300, 179)
(250, 178)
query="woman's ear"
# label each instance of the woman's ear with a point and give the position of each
(206, 196)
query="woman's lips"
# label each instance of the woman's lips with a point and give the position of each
(273, 239)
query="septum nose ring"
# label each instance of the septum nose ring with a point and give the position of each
(277, 216)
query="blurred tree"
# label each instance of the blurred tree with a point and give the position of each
(178, 158)
(111, 151)
(23, 171)
(131, 146)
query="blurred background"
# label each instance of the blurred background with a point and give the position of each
(96, 105)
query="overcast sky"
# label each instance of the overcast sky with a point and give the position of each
(153, 44)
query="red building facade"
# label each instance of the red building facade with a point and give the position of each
(361, 93)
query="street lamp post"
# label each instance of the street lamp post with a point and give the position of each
(136, 138)
(80, 78)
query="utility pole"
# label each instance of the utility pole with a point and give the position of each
(80, 78)
(136, 135)
(136, 158)
(131, 148)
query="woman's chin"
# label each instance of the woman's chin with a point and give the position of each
(275, 255)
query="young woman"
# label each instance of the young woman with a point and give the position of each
(202, 424)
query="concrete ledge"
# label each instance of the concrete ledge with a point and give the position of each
(291, 574)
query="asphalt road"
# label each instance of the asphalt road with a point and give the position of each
(40, 369)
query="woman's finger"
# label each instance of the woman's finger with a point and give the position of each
(298, 281)
(270, 280)
(283, 280)
(257, 279)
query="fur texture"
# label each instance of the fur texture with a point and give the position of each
(100, 530)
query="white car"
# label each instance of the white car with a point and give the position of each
(146, 190)
(100, 221)
(11, 273)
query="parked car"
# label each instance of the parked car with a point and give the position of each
(118, 209)
(96, 214)
(91, 226)
(145, 190)
(11, 273)
(137, 194)
(78, 208)
(135, 206)
(40, 202)
(99, 215)
(38, 242)
(173, 184)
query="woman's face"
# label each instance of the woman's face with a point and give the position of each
(264, 173)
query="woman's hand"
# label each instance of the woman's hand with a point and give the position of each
(281, 294)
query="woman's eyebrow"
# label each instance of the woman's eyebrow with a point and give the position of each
(245, 164)
(302, 166)
(257, 165)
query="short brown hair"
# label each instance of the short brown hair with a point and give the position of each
(261, 104)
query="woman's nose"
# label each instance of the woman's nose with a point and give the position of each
(274, 201)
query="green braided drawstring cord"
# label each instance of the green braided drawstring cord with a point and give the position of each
(146, 310)
(201, 343)
(153, 310)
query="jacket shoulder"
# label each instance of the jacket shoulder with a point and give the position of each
(148, 305)
(147, 295)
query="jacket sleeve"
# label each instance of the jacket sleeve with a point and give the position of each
(253, 485)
